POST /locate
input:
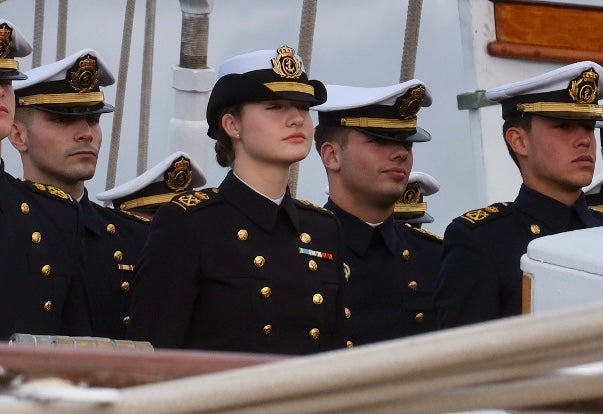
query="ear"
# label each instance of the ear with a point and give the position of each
(231, 126)
(330, 153)
(517, 138)
(18, 136)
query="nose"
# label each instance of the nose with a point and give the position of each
(85, 131)
(586, 137)
(296, 116)
(400, 151)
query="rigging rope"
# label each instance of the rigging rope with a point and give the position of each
(36, 58)
(411, 40)
(121, 93)
(147, 80)
(62, 29)
(306, 38)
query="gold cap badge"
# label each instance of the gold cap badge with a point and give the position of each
(409, 104)
(585, 90)
(84, 77)
(179, 175)
(285, 64)
(5, 41)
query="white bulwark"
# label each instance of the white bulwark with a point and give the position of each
(563, 270)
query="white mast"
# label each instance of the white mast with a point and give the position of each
(193, 81)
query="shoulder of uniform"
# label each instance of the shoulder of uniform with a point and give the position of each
(308, 205)
(475, 218)
(192, 200)
(130, 215)
(50, 191)
(423, 233)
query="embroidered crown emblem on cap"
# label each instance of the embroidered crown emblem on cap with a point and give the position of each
(285, 64)
(84, 76)
(5, 41)
(409, 104)
(179, 175)
(584, 89)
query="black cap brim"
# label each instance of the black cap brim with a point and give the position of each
(79, 110)
(420, 135)
(11, 74)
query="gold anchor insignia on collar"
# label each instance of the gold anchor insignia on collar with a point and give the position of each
(585, 90)
(55, 191)
(180, 175)
(5, 41)
(409, 104)
(86, 77)
(285, 64)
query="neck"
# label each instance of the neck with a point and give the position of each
(567, 196)
(75, 190)
(268, 179)
(359, 207)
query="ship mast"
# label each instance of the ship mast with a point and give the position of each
(192, 82)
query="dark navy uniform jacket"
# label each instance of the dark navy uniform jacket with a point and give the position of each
(480, 277)
(392, 271)
(40, 286)
(228, 269)
(112, 244)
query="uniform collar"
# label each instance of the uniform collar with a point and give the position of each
(259, 209)
(358, 234)
(89, 216)
(551, 212)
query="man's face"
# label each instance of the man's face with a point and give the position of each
(7, 107)
(561, 153)
(372, 170)
(61, 149)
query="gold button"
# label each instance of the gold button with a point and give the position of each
(313, 265)
(346, 271)
(48, 306)
(266, 292)
(314, 333)
(215, 190)
(406, 255)
(125, 287)
(535, 229)
(419, 317)
(317, 299)
(259, 261)
(46, 270)
(348, 313)
(118, 256)
(413, 285)
(111, 229)
(126, 321)
(267, 329)
(349, 344)
(36, 237)
(242, 234)
(305, 238)
(24, 208)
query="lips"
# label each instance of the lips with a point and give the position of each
(584, 158)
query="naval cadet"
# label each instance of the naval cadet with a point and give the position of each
(411, 208)
(58, 136)
(365, 138)
(548, 129)
(144, 194)
(244, 266)
(41, 285)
